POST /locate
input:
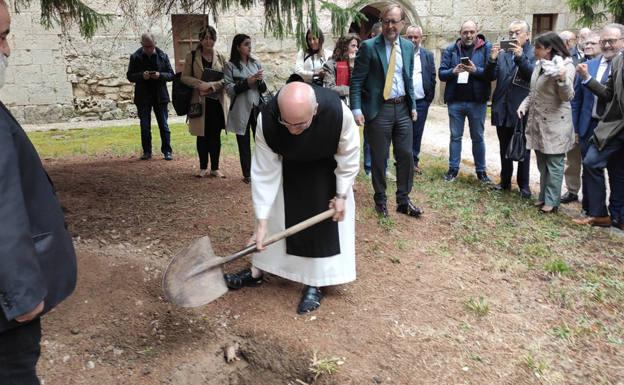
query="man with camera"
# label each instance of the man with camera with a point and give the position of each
(511, 64)
(466, 94)
(150, 70)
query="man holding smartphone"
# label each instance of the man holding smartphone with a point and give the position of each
(511, 64)
(150, 70)
(466, 94)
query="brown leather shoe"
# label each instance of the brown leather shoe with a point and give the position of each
(594, 221)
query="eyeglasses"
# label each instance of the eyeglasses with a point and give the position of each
(296, 126)
(610, 41)
(388, 22)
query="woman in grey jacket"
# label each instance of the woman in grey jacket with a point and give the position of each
(549, 124)
(244, 84)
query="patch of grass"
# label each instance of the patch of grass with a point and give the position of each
(479, 306)
(117, 141)
(535, 364)
(557, 266)
(327, 365)
(563, 331)
(402, 244)
(386, 223)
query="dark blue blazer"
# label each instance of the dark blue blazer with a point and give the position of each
(451, 58)
(583, 102)
(37, 259)
(144, 89)
(428, 73)
(508, 96)
(369, 75)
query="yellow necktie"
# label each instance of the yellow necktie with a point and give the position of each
(390, 73)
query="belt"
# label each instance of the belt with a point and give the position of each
(398, 100)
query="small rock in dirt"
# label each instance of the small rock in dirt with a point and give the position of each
(377, 380)
(229, 352)
(90, 365)
(75, 331)
(146, 371)
(117, 352)
(65, 358)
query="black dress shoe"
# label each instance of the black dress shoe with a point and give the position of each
(243, 278)
(569, 198)
(483, 177)
(168, 156)
(146, 156)
(451, 174)
(525, 193)
(310, 301)
(409, 209)
(381, 209)
(501, 187)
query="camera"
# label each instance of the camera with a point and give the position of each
(506, 44)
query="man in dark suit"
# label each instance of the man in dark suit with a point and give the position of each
(37, 260)
(584, 118)
(466, 94)
(424, 79)
(512, 71)
(150, 70)
(606, 147)
(382, 94)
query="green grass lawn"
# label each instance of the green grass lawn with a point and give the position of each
(116, 141)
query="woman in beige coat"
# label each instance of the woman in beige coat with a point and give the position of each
(549, 124)
(213, 99)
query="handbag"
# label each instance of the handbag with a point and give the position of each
(181, 94)
(194, 110)
(517, 146)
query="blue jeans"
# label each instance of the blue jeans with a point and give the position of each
(475, 112)
(144, 111)
(418, 127)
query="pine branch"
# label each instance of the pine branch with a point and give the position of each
(66, 13)
(342, 18)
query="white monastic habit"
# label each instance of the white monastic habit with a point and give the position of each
(268, 199)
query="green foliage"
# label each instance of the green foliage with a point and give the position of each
(594, 12)
(341, 18)
(557, 266)
(479, 307)
(66, 13)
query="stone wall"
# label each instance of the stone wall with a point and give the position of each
(57, 76)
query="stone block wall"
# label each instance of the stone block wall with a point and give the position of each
(57, 76)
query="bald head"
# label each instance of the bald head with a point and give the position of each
(297, 105)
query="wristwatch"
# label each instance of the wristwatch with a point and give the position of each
(341, 196)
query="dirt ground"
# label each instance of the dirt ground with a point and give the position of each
(402, 322)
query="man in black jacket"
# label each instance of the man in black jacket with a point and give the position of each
(150, 69)
(37, 259)
(512, 70)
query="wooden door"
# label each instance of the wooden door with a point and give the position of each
(185, 30)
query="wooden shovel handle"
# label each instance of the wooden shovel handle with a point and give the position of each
(281, 235)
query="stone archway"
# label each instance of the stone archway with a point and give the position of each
(372, 11)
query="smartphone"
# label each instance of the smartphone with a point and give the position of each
(152, 72)
(465, 60)
(506, 44)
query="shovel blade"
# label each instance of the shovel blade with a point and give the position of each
(181, 283)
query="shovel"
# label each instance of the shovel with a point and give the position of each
(194, 276)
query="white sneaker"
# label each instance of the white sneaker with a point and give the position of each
(390, 176)
(202, 173)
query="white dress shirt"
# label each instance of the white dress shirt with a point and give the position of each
(419, 90)
(398, 85)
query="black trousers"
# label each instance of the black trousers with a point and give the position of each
(522, 175)
(210, 143)
(244, 145)
(145, 117)
(393, 125)
(19, 353)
